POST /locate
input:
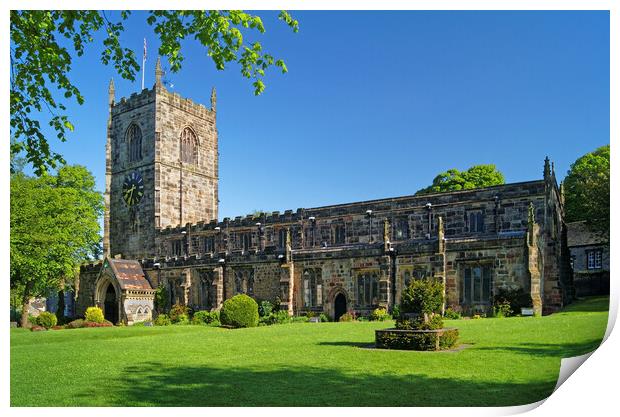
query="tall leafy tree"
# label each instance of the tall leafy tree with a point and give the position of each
(54, 227)
(45, 42)
(586, 190)
(477, 176)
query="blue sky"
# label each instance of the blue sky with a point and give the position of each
(375, 104)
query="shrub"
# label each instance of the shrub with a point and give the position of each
(422, 297)
(162, 320)
(161, 298)
(33, 320)
(177, 312)
(94, 315)
(279, 317)
(347, 317)
(502, 309)
(209, 318)
(419, 323)
(324, 318)
(146, 323)
(450, 314)
(396, 311)
(380, 314)
(181, 319)
(265, 308)
(387, 339)
(298, 319)
(76, 324)
(47, 319)
(515, 297)
(239, 311)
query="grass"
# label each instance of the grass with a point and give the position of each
(510, 361)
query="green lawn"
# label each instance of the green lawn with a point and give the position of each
(510, 361)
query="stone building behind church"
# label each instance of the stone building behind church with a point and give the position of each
(161, 228)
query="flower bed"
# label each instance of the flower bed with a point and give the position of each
(437, 339)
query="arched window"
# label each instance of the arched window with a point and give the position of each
(244, 281)
(134, 141)
(189, 146)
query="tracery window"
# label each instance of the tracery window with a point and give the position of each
(313, 287)
(475, 220)
(475, 285)
(189, 146)
(339, 234)
(401, 229)
(368, 289)
(134, 141)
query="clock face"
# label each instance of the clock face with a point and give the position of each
(133, 188)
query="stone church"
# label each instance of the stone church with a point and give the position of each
(161, 228)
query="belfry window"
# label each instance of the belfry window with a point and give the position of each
(134, 141)
(189, 146)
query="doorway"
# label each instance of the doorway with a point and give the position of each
(110, 305)
(340, 306)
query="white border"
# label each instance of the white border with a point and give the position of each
(591, 391)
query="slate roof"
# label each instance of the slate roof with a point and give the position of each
(579, 234)
(129, 274)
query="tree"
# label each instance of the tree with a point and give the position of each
(586, 190)
(54, 227)
(477, 176)
(41, 61)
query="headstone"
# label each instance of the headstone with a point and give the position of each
(314, 320)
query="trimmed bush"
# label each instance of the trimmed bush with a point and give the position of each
(94, 315)
(162, 320)
(412, 340)
(47, 319)
(380, 314)
(324, 318)
(424, 296)
(239, 311)
(208, 318)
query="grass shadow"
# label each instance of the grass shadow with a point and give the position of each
(158, 384)
(559, 350)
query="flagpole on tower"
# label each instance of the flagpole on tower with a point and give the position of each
(143, 62)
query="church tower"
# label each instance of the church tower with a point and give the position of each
(161, 167)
